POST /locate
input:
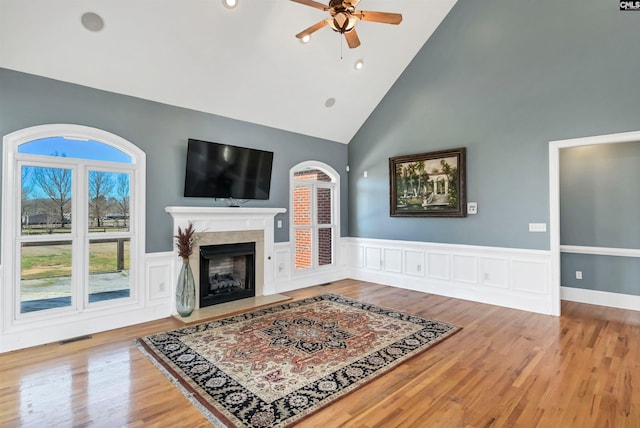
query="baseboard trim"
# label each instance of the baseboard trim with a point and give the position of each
(601, 298)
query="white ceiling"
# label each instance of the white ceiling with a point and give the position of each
(243, 63)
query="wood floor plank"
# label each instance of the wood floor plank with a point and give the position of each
(505, 368)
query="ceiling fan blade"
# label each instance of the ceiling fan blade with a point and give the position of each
(383, 17)
(312, 29)
(312, 4)
(352, 39)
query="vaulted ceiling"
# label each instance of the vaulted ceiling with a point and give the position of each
(242, 63)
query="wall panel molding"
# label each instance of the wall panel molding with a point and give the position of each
(160, 275)
(515, 278)
(286, 279)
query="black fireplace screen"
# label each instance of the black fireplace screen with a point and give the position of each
(227, 272)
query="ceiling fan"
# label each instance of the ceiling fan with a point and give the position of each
(344, 17)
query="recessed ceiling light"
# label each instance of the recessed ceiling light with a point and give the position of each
(359, 64)
(230, 4)
(330, 102)
(306, 39)
(92, 21)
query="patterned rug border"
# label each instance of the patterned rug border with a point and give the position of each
(219, 420)
(186, 390)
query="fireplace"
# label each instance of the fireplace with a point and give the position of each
(226, 225)
(227, 272)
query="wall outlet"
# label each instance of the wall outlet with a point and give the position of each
(578, 274)
(472, 208)
(279, 224)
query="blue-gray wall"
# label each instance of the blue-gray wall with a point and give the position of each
(601, 273)
(501, 78)
(161, 131)
(599, 206)
(600, 195)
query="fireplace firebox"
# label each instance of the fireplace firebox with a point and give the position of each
(227, 273)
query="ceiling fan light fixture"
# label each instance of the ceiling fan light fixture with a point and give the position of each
(343, 22)
(343, 18)
(359, 64)
(230, 4)
(305, 39)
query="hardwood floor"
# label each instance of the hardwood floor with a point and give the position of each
(506, 368)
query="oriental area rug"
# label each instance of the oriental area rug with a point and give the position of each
(277, 365)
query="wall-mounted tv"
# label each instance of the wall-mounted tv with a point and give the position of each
(217, 170)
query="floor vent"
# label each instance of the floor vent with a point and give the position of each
(75, 339)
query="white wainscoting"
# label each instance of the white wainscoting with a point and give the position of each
(160, 276)
(596, 297)
(287, 279)
(514, 278)
(154, 303)
(507, 277)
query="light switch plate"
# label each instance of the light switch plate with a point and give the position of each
(537, 227)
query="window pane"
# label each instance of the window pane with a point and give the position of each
(109, 261)
(45, 276)
(303, 249)
(302, 206)
(74, 148)
(108, 201)
(323, 205)
(325, 253)
(45, 200)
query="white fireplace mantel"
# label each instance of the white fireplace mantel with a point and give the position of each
(233, 219)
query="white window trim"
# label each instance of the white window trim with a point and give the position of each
(335, 184)
(11, 322)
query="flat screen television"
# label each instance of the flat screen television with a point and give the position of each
(217, 170)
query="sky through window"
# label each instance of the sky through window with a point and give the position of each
(71, 148)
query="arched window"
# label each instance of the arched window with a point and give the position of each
(72, 221)
(314, 215)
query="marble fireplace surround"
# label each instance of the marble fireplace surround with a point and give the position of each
(228, 225)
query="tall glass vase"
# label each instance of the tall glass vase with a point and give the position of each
(185, 290)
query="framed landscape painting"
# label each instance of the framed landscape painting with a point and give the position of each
(428, 184)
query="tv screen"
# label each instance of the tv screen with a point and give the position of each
(222, 171)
